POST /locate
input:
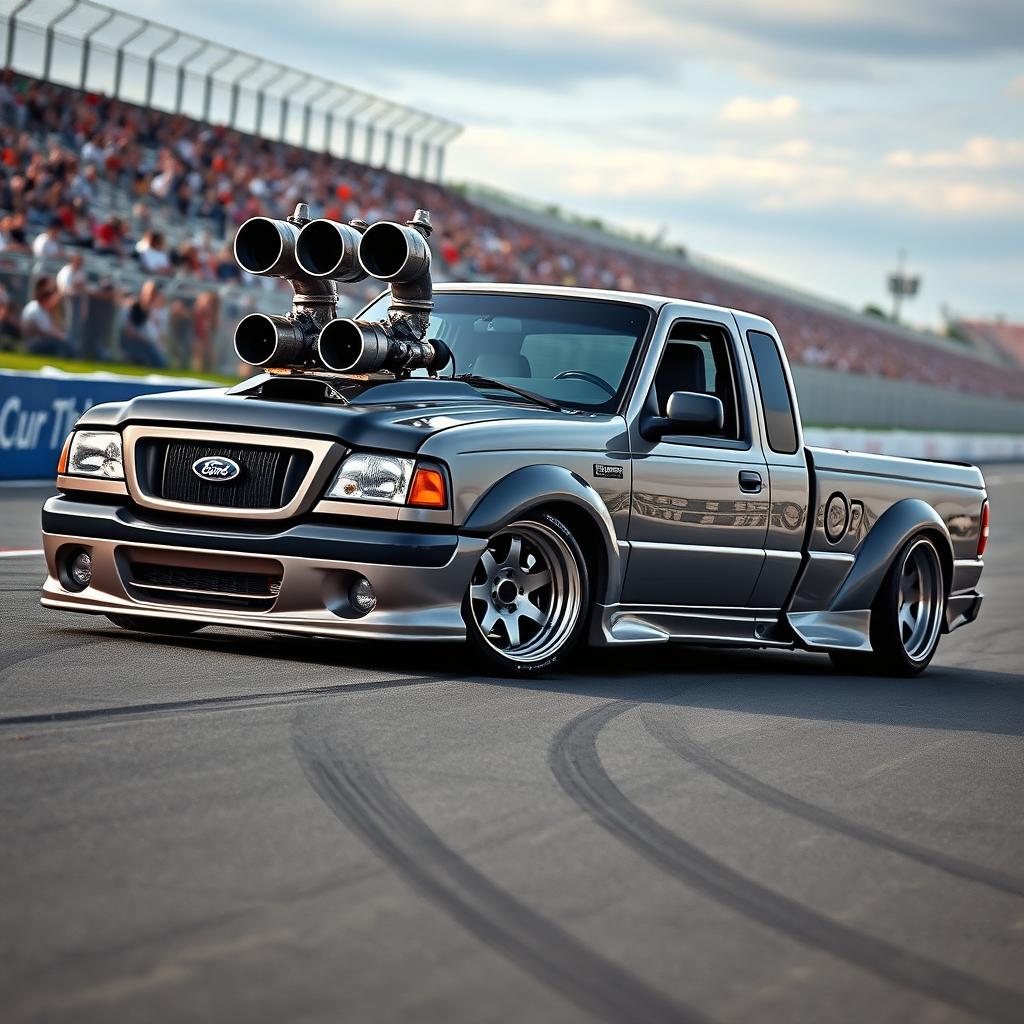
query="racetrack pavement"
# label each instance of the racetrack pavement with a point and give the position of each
(237, 826)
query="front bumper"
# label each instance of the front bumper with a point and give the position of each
(419, 577)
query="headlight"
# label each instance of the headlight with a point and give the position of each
(96, 454)
(364, 477)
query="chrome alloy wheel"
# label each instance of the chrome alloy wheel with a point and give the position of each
(526, 593)
(920, 600)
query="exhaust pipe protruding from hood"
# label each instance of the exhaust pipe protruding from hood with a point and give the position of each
(266, 247)
(360, 347)
(265, 339)
(326, 248)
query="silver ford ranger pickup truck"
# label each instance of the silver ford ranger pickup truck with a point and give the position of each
(525, 469)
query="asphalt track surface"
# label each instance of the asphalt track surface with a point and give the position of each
(245, 827)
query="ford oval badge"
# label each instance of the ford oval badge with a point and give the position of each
(216, 469)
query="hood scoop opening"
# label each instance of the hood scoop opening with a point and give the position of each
(309, 389)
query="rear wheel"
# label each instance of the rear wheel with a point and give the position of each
(525, 607)
(144, 624)
(906, 619)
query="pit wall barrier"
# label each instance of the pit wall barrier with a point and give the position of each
(919, 444)
(37, 411)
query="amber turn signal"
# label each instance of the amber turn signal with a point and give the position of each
(428, 490)
(62, 462)
(983, 534)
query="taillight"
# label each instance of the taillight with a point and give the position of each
(983, 536)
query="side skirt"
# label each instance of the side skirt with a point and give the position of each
(622, 624)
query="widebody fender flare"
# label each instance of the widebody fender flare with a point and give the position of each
(533, 486)
(894, 528)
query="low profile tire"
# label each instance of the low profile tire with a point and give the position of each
(526, 604)
(907, 616)
(167, 627)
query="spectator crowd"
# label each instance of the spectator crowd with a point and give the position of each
(62, 151)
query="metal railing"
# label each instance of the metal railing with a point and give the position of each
(89, 46)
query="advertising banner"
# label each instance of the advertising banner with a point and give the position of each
(37, 411)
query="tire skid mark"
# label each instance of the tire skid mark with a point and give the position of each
(678, 740)
(243, 700)
(364, 800)
(576, 765)
(51, 652)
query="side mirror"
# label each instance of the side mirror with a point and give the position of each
(689, 412)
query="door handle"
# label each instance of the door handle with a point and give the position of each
(750, 482)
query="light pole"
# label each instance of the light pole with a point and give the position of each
(902, 285)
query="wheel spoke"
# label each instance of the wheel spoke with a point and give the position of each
(535, 581)
(489, 620)
(487, 561)
(512, 628)
(515, 553)
(526, 610)
(481, 592)
(907, 617)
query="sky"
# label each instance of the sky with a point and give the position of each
(809, 141)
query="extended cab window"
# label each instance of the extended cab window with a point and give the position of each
(779, 418)
(698, 357)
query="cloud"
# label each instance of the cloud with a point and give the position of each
(790, 177)
(745, 109)
(548, 43)
(909, 29)
(980, 153)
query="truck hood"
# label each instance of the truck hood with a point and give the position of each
(396, 416)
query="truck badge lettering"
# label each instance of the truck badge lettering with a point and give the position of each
(607, 472)
(216, 469)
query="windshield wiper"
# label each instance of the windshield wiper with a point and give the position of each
(476, 381)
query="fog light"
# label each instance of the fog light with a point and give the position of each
(80, 569)
(363, 599)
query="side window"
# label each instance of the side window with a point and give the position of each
(698, 357)
(779, 417)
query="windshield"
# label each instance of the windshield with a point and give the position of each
(577, 352)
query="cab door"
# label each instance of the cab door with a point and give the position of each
(699, 505)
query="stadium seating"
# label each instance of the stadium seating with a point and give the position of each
(164, 193)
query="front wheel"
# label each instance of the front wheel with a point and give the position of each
(906, 619)
(525, 607)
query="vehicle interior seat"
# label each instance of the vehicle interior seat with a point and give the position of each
(500, 355)
(682, 369)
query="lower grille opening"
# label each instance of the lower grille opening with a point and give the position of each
(216, 588)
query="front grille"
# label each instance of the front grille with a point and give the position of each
(210, 587)
(269, 477)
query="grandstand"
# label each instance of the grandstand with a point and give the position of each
(152, 195)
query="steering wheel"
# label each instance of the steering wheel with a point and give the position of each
(591, 377)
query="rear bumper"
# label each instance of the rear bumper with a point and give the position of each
(962, 608)
(419, 577)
